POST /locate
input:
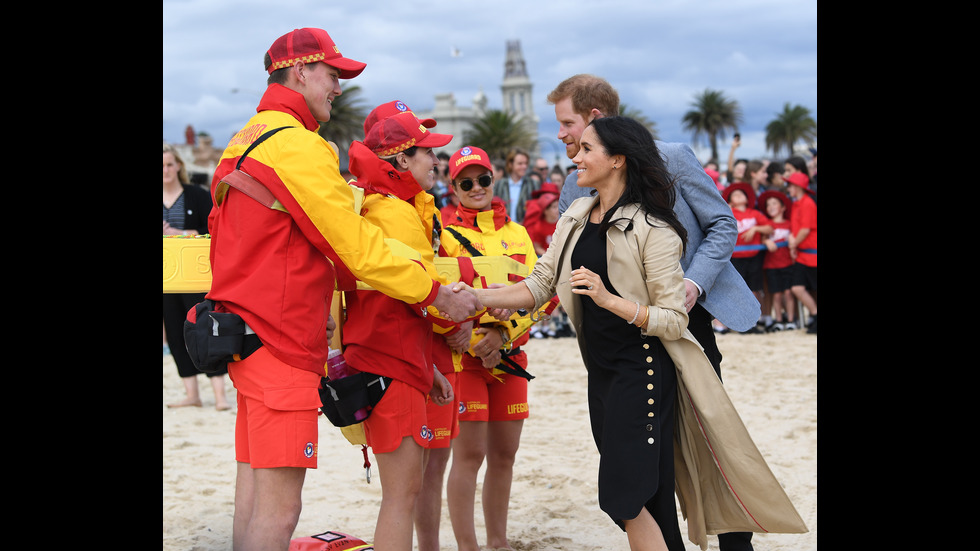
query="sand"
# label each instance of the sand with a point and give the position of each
(772, 380)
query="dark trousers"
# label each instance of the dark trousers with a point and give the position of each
(700, 325)
(175, 307)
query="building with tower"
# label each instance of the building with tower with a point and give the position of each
(516, 87)
(515, 90)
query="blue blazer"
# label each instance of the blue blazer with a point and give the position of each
(711, 234)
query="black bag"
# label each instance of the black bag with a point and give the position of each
(215, 338)
(349, 400)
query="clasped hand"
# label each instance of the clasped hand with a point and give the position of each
(586, 282)
(501, 314)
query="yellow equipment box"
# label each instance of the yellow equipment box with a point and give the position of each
(494, 269)
(186, 264)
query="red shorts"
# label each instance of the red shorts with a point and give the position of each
(278, 406)
(483, 398)
(443, 420)
(400, 413)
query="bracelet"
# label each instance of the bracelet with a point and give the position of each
(637, 314)
(503, 338)
(645, 318)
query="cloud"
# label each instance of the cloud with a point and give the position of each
(761, 53)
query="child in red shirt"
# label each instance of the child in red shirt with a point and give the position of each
(541, 216)
(777, 263)
(803, 244)
(540, 220)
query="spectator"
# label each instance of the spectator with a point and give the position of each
(540, 221)
(517, 187)
(736, 167)
(540, 170)
(803, 245)
(756, 176)
(774, 178)
(557, 176)
(185, 212)
(812, 165)
(450, 202)
(778, 263)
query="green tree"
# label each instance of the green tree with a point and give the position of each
(712, 115)
(636, 114)
(497, 132)
(347, 116)
(790, 126)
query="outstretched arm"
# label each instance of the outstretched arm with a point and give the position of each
(511, 297)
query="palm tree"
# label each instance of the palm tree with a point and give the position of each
(790, 126)
(347, 116)
(497, 132)
(713, 114)
(637, 115)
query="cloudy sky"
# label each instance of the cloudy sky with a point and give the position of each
(657, 53)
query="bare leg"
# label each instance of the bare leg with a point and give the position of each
(428, 507)
(401, 480)
(193, 395)
(790, 305)
(644, 533)
(218, 385)
(469, 449)
(503, 439)
(801, 294)
(267, 507)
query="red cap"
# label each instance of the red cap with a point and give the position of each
(400, 132)
(310, 45)
(765, 195)
(468, 155)
(386, 110)
(548, 194)
(798, 179)
(546, 187)
(746, 189)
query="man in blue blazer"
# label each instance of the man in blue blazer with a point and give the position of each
(714, 288)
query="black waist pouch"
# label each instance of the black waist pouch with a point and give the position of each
(349, 400)
(214, 339)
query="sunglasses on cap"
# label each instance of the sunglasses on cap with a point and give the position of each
(484, 180)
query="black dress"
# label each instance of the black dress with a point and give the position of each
(632, 387)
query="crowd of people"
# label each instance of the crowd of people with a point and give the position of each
(775, 206)
(638, 233)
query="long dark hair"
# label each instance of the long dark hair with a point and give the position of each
(647, 180)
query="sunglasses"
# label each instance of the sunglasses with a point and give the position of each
(484, 180)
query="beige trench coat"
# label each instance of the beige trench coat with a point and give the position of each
(722, 481)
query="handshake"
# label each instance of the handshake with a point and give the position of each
(459, 301)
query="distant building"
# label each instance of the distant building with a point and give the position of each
(455, 119)
(515, 90)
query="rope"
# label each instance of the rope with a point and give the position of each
(781, 244)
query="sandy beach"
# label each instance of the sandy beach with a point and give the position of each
(771, 379)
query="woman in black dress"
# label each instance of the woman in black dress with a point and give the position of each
(625, 294)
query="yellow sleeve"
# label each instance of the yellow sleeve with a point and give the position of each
(313, 178)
